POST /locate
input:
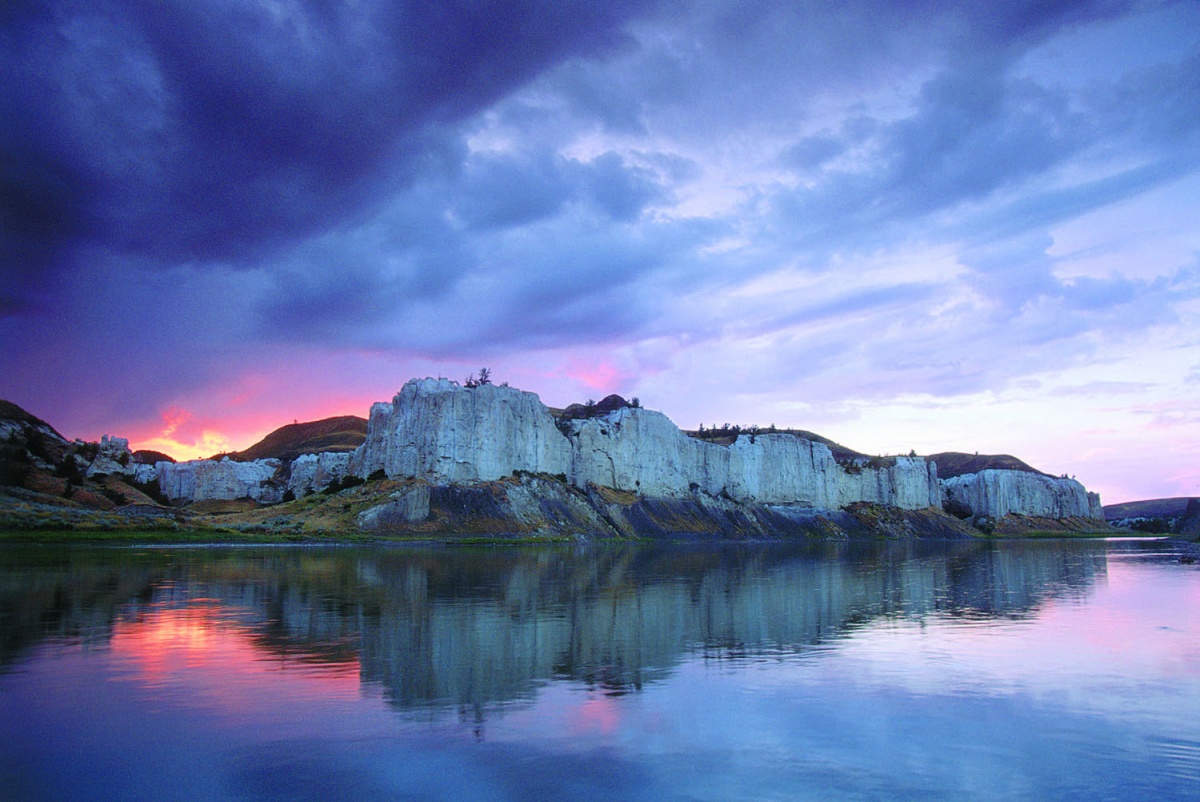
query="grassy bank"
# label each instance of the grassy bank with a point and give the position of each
(217, 536)
(1070, 534)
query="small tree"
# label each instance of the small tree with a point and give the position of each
(484, 377)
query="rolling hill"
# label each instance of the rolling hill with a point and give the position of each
(956, 463)
(343, 433)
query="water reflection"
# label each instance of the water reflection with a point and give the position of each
(474, 628)
(961, 670)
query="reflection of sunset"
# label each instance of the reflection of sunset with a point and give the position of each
(169, 640)
(599, 714)
(200, 652)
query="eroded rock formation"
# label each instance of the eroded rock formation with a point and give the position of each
(436, 430)
(444, 443)
(443, 433)
(205, 480)
(314, 472)
(996, 493)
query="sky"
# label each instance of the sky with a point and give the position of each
(931, 226)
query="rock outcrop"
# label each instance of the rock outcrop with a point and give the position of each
(440, 432)
(112, 457)
(436, 430)
(642, 451)
(312, 473)
(994, 494)
(207, 480)
(495, 459)
(538, 506)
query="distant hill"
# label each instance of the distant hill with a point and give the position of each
(724, 437)
(841, 453)
(1149, 508)
(956, 463)
(147, 457)
(343, 433)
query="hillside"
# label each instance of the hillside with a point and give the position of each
(724, 437)
(343, 433)
(956, 463)
(1148, 508)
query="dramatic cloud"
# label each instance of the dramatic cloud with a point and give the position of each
(927, 224)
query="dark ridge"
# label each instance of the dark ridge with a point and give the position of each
(956, 463)
(725, 436)
(147, 457)
(344, 433)
(610, 403)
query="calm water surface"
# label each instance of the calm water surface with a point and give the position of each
(1021, 670)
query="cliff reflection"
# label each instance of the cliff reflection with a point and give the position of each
(480, 627)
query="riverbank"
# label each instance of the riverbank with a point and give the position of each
(518, 510)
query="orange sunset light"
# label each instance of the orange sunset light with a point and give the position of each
(202, 649)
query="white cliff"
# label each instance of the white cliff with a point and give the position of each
(444, 433)
(436, 430)
(112, 457)
(643, 451)
(205, 480)
(314, 472)
(994, 493)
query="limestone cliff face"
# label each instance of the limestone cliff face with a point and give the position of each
(112, 457)
(314, 472)
(996, 493)
(446, 434)
(205, 480)
(643, 451)
(436, 430)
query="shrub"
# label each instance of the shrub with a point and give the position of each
(151, 489)
(69, 469)
(114, 495)
(345, 483)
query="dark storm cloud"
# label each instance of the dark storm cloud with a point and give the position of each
(973, 133)
(526, 237)
(194, 130)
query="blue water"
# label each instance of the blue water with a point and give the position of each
(1018, 670)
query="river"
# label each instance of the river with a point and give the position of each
(928, 670)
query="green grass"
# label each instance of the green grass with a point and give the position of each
(507, 541)
(218, 536)
(1070, 533)
(115, 537)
